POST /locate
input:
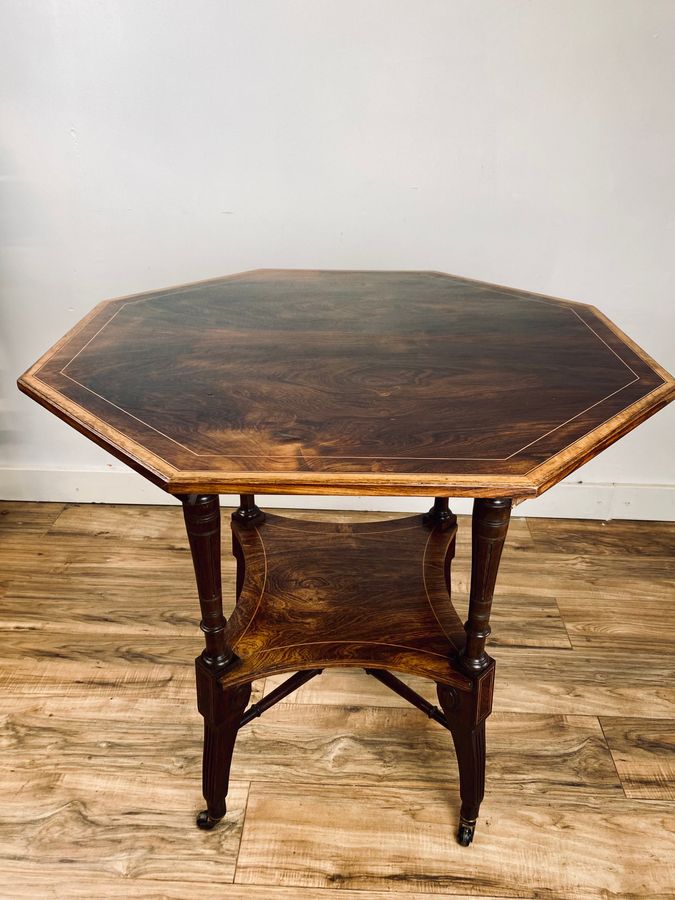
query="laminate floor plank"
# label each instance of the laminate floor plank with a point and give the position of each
(519, 537)
(95, 651)
(591, 537)
(96, 603)
(644, 754)
(524, 847)
(27, 884)
(595, 682)
(23, 555)
(105, 601)
(306, 744)
(519, 621)
(352, 688)
(593, 620)
(123, 823)
(388, 746)
(142, 523)
(47, 673)
(165, 523)
(113, 733)
(351, 791)
(29, 518)
(561, 576)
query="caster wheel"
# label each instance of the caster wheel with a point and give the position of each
(465, 833)
(205, 822)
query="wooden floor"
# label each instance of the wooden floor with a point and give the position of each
(343, 787)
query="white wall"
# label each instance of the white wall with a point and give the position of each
(149, 142)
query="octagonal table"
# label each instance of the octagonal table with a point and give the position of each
(337, 382)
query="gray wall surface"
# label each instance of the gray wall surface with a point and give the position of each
(146, 143)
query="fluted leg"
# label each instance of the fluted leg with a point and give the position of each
(470, 749)
(466, 713)
(222, 713)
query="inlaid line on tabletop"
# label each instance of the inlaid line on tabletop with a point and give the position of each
(498, 290)
(324, 457)
(588, 409)
(595, 427)
(329, 458)
(124, 438)
(611, 349)
(84, 346)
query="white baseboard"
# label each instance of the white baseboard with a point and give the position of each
(570, 499)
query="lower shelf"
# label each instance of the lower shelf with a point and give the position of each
(373, 595)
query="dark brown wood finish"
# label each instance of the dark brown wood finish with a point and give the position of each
(312, 595)
(317, 594)
(489, 526)
(222, 709)
(466, 714)
(349, 382)
(202, 522)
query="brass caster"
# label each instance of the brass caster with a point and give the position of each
(465, 832)
(205, 821)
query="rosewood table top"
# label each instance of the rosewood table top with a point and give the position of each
(349, 382)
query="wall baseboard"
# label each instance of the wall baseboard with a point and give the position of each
(570, 499)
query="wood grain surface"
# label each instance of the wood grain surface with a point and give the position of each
(349, 382)
(367, 838)
(316, 594)
(51, 885)
(342, 789)
(644, 754)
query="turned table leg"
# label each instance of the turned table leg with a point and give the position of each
(489, 525)
(466, 712)
(222, 709)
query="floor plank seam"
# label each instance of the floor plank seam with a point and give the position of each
(562, 619)
(241, 835)
(528, 528)
(616, 768)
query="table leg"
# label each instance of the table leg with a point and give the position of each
(247, 514)
(222, 709)
(466, 712)
(489, 525)
(465, 673)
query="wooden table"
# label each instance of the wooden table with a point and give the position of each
(337, 382)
